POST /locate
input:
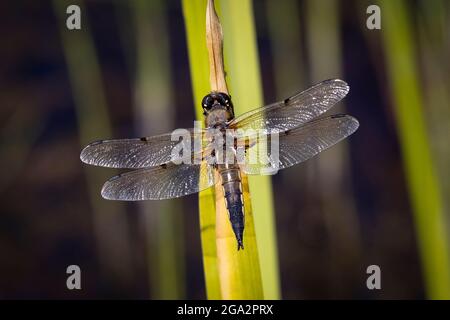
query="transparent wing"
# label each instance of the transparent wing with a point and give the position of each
(300, 144)
(133, 153)
(294, 111)
(157, 183)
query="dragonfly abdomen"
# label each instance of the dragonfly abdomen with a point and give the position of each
(232, 190)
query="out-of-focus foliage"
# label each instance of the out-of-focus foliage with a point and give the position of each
(383, 199)
(424, 189)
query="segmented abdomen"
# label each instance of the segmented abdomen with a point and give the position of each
(232, 190)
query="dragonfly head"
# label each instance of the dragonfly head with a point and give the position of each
(217, 107)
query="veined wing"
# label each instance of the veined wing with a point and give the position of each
(162, 182)
(135, 153)
(294, 111)
(300, 144)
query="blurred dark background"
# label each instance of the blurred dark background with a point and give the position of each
(333, 219)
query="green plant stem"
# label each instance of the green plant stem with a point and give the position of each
(235, 277)
(242, 66)
(425, 195)
(194, 18)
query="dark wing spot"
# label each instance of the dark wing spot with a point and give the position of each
(145, 139)
(164, 166)
(335, 116)
(287, 132)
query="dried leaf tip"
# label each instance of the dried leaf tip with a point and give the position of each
(214, 42)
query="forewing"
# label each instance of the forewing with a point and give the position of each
(301, 144)
(294, 111)
(134, 153)
(158, 183)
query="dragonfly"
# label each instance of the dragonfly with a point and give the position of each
(298, 121)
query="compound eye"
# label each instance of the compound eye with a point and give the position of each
(207, 102)
(224, 99)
